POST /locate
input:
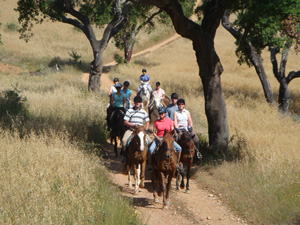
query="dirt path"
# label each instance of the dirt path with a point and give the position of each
(199, 207)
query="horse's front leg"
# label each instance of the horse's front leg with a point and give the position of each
(137, 170)
(128, 171)
(116, 146)
(164, 190)
(170, 176)
(154, 179)
(142, 185)
(188, 177)
(177, 179)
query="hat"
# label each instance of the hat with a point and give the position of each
(180, 101)
(138, 99)
(174, 95)
(126, 83)
(144, 70)
(162, 110)
(116, 79)
(118, 85)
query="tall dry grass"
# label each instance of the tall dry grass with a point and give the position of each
(264, 186)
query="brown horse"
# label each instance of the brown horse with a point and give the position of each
(164, 168)
(136, 158)
(117, 128)
(187, 155)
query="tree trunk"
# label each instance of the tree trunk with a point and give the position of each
(284, 96)
(96, 67)
(255, 59)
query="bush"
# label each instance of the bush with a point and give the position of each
(119, 59)
(12, 108)
(12, 26)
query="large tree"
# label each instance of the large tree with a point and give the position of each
(260, 24)
(210, 67)
(81, 14)
(142, 17)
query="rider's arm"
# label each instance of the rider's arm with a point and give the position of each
(147, 125)
(124, 102)
(175, 121)
(190, 120)
(112, 100)
(128, 124)
(154, 129)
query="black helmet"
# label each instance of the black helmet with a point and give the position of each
(174, 95)
(118, 85)
(138, 99)
(162, 110)
(116, 79)
(126, 83)
(180, 101)
(144, 70)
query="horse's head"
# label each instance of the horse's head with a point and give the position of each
(139, 138)
(157, 102)
(187, 143)
(145, 88)
(167, 141)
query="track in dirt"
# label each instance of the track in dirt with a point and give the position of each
(199, 207)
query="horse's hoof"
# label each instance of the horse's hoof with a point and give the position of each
(177, 188)
(188, 191)
(156, 200)
(165, 207)
(141, 185)
(136, 192)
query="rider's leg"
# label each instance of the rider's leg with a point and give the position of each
(138, 90)
(197, 145)
(124, 142)
(178, 148)
(150, 154)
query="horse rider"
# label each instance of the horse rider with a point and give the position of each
(158, 92)
(113, 88)
(135, 116)
(118, 101)
(171, 108)
(127, 93)
(183, 120)
(159, 127)
(144, 78)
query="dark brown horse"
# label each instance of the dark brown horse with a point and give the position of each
(187, 155)
(136, 158)
(164, 168)
(117, 128)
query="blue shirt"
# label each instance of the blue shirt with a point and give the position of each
(127, 94)
(119, 100)
(171, 110)
(144, 78)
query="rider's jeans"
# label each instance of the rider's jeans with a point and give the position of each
(155, 143)
(149, 86)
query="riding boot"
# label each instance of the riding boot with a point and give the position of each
(198, 153)
(150, 162)
(178, 160)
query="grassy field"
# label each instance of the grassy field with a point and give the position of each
(47, 174)
(264, 186)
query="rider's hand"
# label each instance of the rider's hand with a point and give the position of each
(147, 131)
(190, 129)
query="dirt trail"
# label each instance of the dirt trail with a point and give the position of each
(199, 207)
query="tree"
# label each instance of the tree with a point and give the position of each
(141, 17)
(210, 67)
(81, 14)
(261, 24)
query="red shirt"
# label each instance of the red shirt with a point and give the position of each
(163, 124)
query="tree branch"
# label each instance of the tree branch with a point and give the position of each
(147, 21)
(292, 75)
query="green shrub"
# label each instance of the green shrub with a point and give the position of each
(119, 59)
(12, 26)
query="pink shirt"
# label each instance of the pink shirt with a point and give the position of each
(163, 124)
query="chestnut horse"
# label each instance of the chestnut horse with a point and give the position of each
(164, 168)
(187, 155)
(136, 158)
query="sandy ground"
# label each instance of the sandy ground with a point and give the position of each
(198, 207)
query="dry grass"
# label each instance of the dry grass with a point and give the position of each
(265, 187)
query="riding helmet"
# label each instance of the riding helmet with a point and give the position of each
(180, 101)
(144, 70)
(174, 95)
(162, 110)
(126, 83)
(116, 80)
(118, 85)
(137, 99)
